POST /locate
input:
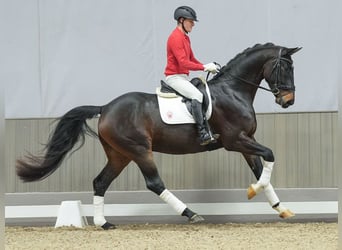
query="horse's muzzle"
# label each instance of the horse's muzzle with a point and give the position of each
(285, 99)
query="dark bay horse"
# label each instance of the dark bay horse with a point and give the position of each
(130, 129)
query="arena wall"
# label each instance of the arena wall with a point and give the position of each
(304, 145)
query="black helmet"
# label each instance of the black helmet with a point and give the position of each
(185, 12)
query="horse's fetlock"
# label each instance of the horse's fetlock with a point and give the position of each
(99, 189)
(188, 213)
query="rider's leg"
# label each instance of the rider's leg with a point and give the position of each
(182, 85)
(197, 113)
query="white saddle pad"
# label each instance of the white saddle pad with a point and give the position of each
(174, 111)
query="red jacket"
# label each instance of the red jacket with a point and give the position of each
(180, 58)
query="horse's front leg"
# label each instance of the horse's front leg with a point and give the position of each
(255, 164)
(263, 180)
(264, 183)
(252, 152)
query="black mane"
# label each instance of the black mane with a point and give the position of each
(249, 50)
(246, 52)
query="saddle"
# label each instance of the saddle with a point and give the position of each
(168, 92)
(175, 108)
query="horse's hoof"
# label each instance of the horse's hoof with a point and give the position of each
(251, 192)
(196, 219)
(286, 214)
(108, 226)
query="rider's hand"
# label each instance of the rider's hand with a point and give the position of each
(211, 67)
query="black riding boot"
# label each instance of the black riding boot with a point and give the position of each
(203, 131)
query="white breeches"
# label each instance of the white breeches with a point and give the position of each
(181, 84)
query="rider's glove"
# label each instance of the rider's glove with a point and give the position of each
(211, 67)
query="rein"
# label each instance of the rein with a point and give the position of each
(242, 80)
(254, 84)
(276, 67)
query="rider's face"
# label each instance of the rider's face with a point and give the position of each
(188, 24)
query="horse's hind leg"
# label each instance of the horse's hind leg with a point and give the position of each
(156, 185)
(116, 163)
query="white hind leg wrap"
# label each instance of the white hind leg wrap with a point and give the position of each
(99, 219)
(173, 201)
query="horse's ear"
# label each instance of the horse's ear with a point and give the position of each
(291, 51)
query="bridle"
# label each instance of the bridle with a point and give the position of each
(276, 68)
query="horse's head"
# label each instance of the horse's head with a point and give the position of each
(278, 72)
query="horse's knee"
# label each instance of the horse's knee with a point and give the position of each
(268, 155)
(156, 185)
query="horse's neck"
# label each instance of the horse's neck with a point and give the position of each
(249, 70)
(239, 79)
(244, 81)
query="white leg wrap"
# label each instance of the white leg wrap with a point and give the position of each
(271, 195)
(273, 198)
(257, 187)
(99, 218)
(265, 177)
(173, 201)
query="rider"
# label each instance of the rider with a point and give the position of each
(180, 60)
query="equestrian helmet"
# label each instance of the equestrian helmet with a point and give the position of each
(185, 12)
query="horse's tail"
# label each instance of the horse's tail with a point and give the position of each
(69, 130)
